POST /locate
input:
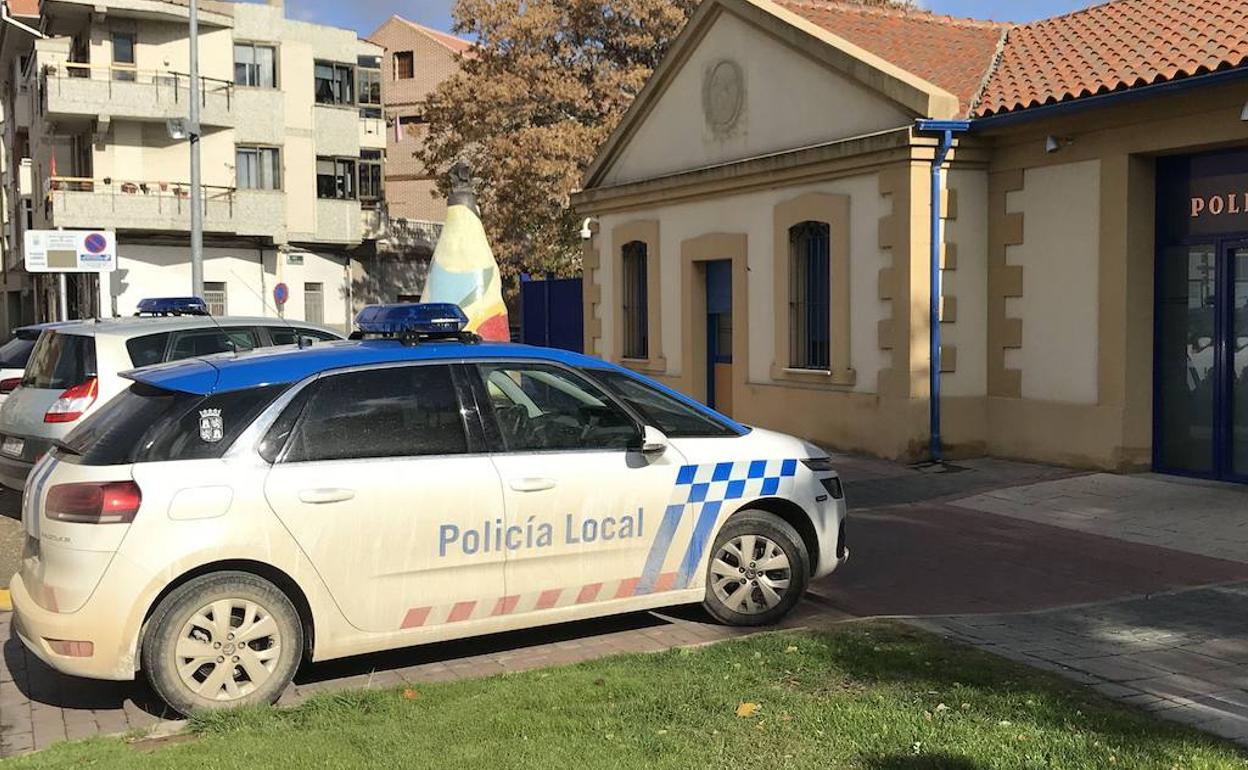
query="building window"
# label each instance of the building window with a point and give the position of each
(335, 178)
(214, 297)
(636, 305)
(314, 303)
(370, 175)
(255, 65)
(370, 92)
(370, 88)
(335, 83)
(258, 168)
(123, 56)
(810, 284)
(404, 65)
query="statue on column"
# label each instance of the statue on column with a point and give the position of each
(463, 270)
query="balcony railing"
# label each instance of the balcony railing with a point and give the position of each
(136, 204)
(125, 89)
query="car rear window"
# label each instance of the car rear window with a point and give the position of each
(60, 361)
(149, 424)
(16, 352)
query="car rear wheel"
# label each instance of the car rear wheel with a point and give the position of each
(758, 570)
(220, 640)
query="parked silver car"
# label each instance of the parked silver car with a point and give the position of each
(75, 368)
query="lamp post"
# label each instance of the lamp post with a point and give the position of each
(197, 214)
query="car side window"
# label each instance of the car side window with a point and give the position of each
(205, 342)
(663, 411)
(148, 349)
(543, 408)
(390, 412)
(289, 335)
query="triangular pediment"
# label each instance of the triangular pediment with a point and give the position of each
(749, 78)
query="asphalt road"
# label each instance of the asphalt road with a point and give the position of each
(10, 534)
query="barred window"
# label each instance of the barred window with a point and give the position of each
(809, 295)
(314, 303)
(636, 301)
(214, 297)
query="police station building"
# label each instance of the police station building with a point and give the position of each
(765, 230)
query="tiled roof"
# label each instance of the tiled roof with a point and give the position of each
(1113, 46)
(455, 44)
(948, 52)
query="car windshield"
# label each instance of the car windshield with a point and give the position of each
(16, 352)
(667, 413)
(60, 361)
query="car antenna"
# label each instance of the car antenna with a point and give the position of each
(264, 303)
(220, 328)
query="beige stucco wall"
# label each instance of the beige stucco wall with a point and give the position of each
(1060, 259)
(789, 101)
(752, 214)
(967, 284)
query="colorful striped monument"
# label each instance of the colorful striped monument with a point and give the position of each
(463, 269)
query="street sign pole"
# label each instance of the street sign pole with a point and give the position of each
(62, 291)
(197, 224)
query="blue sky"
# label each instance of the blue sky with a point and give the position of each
(367, 15)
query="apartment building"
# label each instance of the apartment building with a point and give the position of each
(293, 149)
(415, 61)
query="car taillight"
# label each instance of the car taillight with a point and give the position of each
(9, 385)
(110, 502)
(73, 402)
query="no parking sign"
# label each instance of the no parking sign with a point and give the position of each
(281, 293)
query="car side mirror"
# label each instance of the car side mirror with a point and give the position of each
(653, 442)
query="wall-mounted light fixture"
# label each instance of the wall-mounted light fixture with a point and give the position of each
(587, 232)
(1054, 143)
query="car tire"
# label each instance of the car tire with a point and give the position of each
(243, 631)
(773, 592)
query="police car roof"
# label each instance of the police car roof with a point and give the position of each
(276, 366)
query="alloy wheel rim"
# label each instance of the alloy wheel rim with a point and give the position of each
(227, 649)
(750, 574)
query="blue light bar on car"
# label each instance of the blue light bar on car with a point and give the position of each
(172, 306)
(429, 319)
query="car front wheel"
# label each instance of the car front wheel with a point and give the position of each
(224, 639)
(758, 570)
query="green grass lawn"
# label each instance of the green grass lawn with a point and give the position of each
(859, 696)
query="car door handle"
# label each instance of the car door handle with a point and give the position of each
(323, 496)
(532, 484)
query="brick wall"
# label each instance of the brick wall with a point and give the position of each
(408, 183)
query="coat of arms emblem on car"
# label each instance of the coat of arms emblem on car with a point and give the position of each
(211, 427)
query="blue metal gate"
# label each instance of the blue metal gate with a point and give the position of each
(552, 313)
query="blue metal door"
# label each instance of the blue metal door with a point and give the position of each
(719, 335)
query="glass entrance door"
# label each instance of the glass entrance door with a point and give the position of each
(1201, 388)
(1237, 355)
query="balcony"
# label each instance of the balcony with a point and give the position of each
(159, 206)
(122, 91)
(406, 236)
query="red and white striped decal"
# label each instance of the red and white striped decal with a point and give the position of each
(549, 599)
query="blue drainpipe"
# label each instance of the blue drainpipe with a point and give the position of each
(945, 129)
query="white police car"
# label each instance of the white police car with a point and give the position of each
(226, 517)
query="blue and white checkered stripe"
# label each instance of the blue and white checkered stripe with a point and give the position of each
(700, 496)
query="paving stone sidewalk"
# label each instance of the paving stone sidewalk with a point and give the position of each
(1181, 655)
